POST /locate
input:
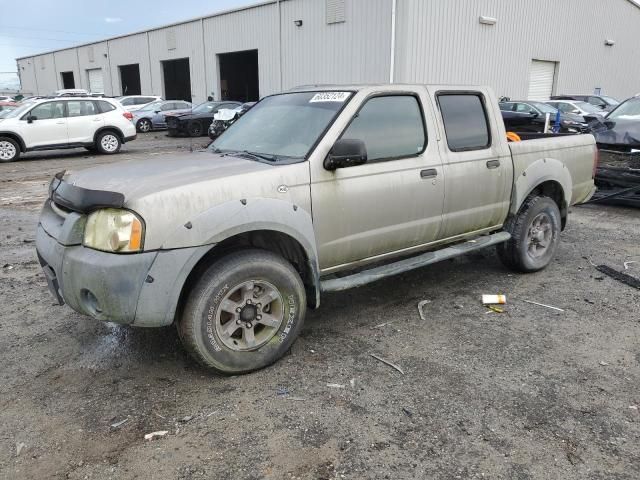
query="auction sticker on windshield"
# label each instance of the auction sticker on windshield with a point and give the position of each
(330, 97)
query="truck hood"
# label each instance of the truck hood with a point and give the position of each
(169, 191)
(139, 178)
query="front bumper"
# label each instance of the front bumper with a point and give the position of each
(140, 289)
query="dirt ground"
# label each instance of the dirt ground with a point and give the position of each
(532, 393)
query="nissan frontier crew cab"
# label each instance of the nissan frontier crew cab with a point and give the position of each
(315, 190)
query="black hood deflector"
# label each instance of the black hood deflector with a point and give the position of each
(82, 200)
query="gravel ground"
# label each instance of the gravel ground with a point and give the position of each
(532, 393)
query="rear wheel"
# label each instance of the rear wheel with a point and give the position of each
(244, 313)
(9, 149)
(108, 143)
(144, 125)
(195, 129)
(535, 234)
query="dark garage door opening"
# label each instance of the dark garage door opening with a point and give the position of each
(130, 79)
(67, 80)
(177, 79)
(239, 76)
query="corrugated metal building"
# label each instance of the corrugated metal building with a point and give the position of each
(522, 48)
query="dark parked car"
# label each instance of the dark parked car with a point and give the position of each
(530, 117)
(621, 128)
(152, 116)
(601, 101)
(196, 122)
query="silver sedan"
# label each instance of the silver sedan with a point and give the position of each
(152, 116)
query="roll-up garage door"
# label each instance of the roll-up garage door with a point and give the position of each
(541, 78)
(96, 82)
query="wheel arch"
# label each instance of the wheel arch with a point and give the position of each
(548, 177)
(110, 128)
(17, 138)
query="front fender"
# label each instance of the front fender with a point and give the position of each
(539, 172)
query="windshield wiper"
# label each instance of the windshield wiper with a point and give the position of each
(263, 156)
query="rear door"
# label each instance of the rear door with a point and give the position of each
(477, 163)
(83, 120)
(391, 203)
(49, 125)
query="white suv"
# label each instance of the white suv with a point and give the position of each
(52, 123)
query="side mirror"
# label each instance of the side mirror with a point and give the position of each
(157, 111)
(31, 119)
(609, 124)
(346, 152)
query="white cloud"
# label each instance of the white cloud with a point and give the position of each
(112, 19)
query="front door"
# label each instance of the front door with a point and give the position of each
(391, 203)
(48, 125)
(83, 120)
(477, 163)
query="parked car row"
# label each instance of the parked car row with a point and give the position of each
(196, 122)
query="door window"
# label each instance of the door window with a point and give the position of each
(81, 108)
(524, 108)
(390, 127)
(128, 101)
(465, 121)
(105, 106)
(168, 106)
(48, 111)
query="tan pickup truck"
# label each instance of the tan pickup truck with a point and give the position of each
(315, 190)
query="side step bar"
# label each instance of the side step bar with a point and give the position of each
(378, 273)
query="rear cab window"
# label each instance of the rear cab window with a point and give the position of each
(392, 127)
(465, 120)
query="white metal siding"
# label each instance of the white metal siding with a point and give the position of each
(127, 50)
(95, 80)
(66, 61)
(100, 60)
(188, 44)
(356, 51)
(252, 29)
(335, 11)
(442, 41)
(541, 77)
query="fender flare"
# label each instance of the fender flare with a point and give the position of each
(243, 216)
(539, 172)
(102, 129)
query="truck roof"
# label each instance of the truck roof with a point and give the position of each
(364, 86)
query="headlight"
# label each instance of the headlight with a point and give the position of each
(113, 230)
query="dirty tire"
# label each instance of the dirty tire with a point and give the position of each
(144, 125)
(108, 143)
(195, 129)
(522, 253)
(9, 150)
(200, 324)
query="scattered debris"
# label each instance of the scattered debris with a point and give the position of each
(154, 435)
(543, 305)
(186, 418)
(603, 363)
(495, 309)
(296, 399)
(7, 266)
(352, 382)
(494, 299)
(626, 264)
(407, 412)
(392, 365)
(282, 391)
(19, 447)
(619, 276)
(420, 305)
(212, 413)
(164, 418)
(633, 407)
(381, 325)
(120, 423)
(335, 385)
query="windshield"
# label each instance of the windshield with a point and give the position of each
(544, 108)
(151, 106)
(627, 110)
(19, 110)
(206, 107)
(286, 125)
(610, 100)
(587, 107)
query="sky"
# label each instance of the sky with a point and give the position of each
(33, 26)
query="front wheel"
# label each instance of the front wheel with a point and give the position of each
(195, 129)
(9, 149)
(535, 234)
(108, 143)
(244, 312)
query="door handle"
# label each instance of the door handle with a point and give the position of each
(59, 123)
(96, 119)
(491, 164)
(428, 173)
